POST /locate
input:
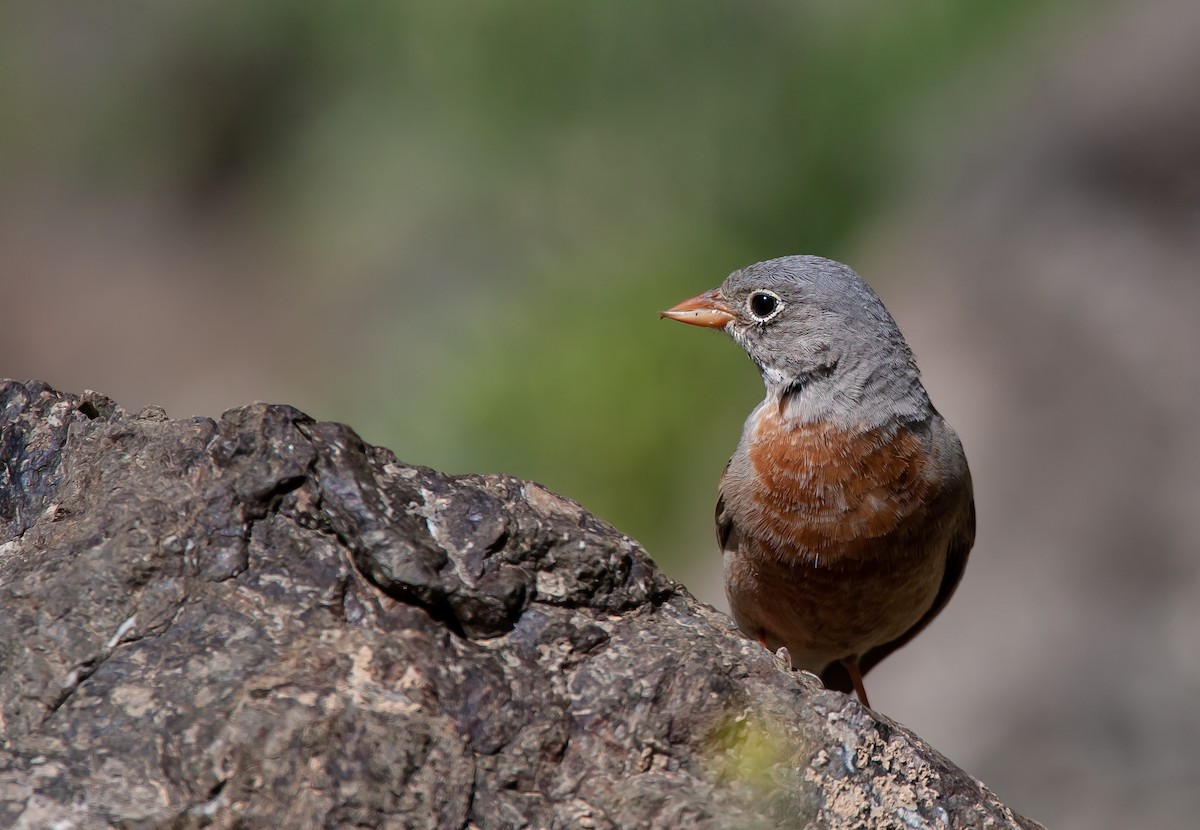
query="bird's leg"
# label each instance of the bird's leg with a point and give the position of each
(851, 666)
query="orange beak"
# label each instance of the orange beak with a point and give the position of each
(705, 310)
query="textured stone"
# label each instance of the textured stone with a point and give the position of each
(264, 622)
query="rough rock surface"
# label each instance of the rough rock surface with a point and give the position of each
(263, 622)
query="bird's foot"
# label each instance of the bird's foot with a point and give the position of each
(785, 657)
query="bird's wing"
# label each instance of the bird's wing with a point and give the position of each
(727, 535)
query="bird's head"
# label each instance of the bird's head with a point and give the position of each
(822, 339)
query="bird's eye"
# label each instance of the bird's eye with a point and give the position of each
(763, 305)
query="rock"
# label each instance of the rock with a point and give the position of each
(264, 622)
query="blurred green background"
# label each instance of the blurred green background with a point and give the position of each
(468, 214)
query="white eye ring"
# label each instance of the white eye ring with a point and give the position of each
(763, 305)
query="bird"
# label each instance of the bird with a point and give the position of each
(846, 514)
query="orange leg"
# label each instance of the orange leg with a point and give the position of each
(856, 679)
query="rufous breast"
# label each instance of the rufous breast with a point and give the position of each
(835, 552)
(835, 492)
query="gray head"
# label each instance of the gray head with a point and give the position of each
(822, 339)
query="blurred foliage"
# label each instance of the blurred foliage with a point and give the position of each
(750, 755)
(492, 200)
